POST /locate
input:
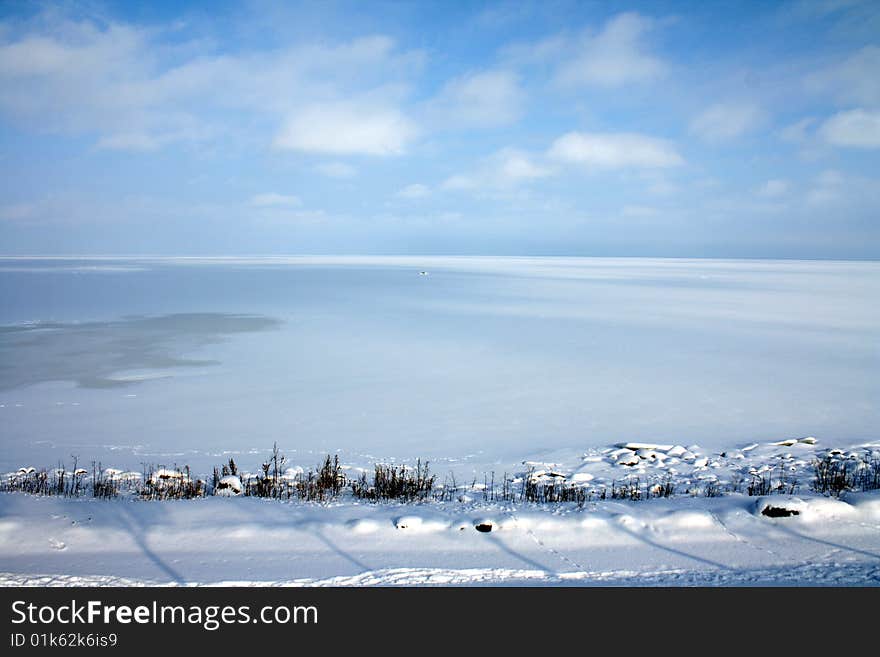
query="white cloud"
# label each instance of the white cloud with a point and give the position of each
(460, 182)
(662, 188)
(347, 127)
(480, 99)
(657, 183)
(18, 211)
(857, 128)
(273, 200)
(505, 169)
(613, 57)
(414, 191)
(853, 80)
(811, 9)
(291, 216)
(827, 188)
(614, 151)
(724, 121)
(828, 198)
(774, 188)
(74, 209)
(72, 49)
(515, 165)
(830, 178)
(135, 89)
(639, 211)
(336, 170)
(75, 77)
(130, 141)
(797, 132)
(840, 194)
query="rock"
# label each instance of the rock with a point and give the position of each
(778, 512)
(652, 446)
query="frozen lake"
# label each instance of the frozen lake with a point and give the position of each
(482, 362)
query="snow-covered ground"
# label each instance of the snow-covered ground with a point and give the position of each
(687, 539)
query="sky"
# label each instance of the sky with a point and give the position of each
(683, 129)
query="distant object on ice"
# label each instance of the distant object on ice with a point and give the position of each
(424, 273)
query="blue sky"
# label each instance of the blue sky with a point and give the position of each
(580, 128)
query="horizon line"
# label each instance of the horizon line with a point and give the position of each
(129, 256)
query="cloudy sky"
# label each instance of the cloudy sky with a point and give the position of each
(661, 128)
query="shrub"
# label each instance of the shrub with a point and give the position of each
(760, 485)
(396, 483)
(170, 484)
(835, 474)
(630, 490)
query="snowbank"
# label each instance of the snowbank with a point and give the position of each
(699, 540)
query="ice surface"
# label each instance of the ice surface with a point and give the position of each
(484, 363)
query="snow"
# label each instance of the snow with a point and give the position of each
(687, 539)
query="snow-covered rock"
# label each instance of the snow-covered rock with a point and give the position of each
(164, 476)
(228, 486)
(651, 446)
(484, 526)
